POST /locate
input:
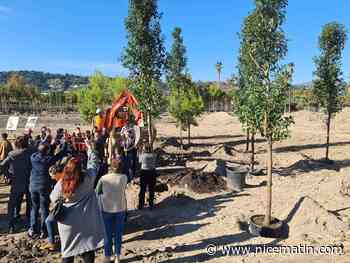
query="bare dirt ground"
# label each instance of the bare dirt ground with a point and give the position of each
(307, 194)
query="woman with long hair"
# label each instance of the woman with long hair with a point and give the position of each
(111, 191)
(81, 230)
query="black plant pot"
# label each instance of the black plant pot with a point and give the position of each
(277, 228)
(257, 172)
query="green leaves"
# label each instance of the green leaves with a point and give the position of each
(100, 93)
(151, 99)
(328, 85)
(176, 60)
(263, 82)
(144, 55)
(185, 103)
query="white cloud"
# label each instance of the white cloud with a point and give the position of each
(5, 10)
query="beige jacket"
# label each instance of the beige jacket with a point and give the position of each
(111, 191)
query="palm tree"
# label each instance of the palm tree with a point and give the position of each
(219, 67)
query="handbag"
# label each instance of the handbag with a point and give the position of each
(58, 210)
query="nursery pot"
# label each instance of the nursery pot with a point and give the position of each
(274, 230)
(236, 178)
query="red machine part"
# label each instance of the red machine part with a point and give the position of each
(126, 99)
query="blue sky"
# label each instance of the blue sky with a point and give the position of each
(71, 36)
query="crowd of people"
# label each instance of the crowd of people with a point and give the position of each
(82, 177)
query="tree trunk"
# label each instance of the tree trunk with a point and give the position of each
(252, 156)
(181, 140)
(269, 182)
(247, 142)
(189, 133)
(149, 127)
(290, 100)
(328, 132)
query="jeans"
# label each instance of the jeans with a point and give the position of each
(114, 227)
(14, 205)
(50, 223)
(129, 163)
(88, 257)
(147, 180)
(40, 200)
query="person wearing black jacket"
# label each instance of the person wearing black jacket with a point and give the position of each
(40, 186)
(19, 164)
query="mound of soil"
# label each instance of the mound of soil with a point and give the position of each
(169, 159)
(312, 222)
(199, 182)
(22, 250)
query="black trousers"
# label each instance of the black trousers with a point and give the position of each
(88, 257)
(14, 205)
(147, 180)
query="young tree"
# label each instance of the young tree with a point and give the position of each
(144, 56)
(176, 60)
(175, 74)
(248, 107)
(185, 106)
(16, 85)
(94, 96)
(328, 84)
(267, 80)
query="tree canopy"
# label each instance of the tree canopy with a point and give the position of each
(144, 56)
(328, 85)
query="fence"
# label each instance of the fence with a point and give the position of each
(225, 105)
(34, 107)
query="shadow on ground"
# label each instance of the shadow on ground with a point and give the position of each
(297, 148)
(162, 223)
(229, 241)
(312, 165)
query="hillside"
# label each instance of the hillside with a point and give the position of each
(47, 81)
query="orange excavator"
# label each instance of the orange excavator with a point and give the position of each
(122, 108)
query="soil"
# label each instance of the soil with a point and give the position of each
(197, 181)
(259, 220)
(308, 194)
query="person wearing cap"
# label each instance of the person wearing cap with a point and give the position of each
(111, 192)
(40, 185)
(99, 120)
